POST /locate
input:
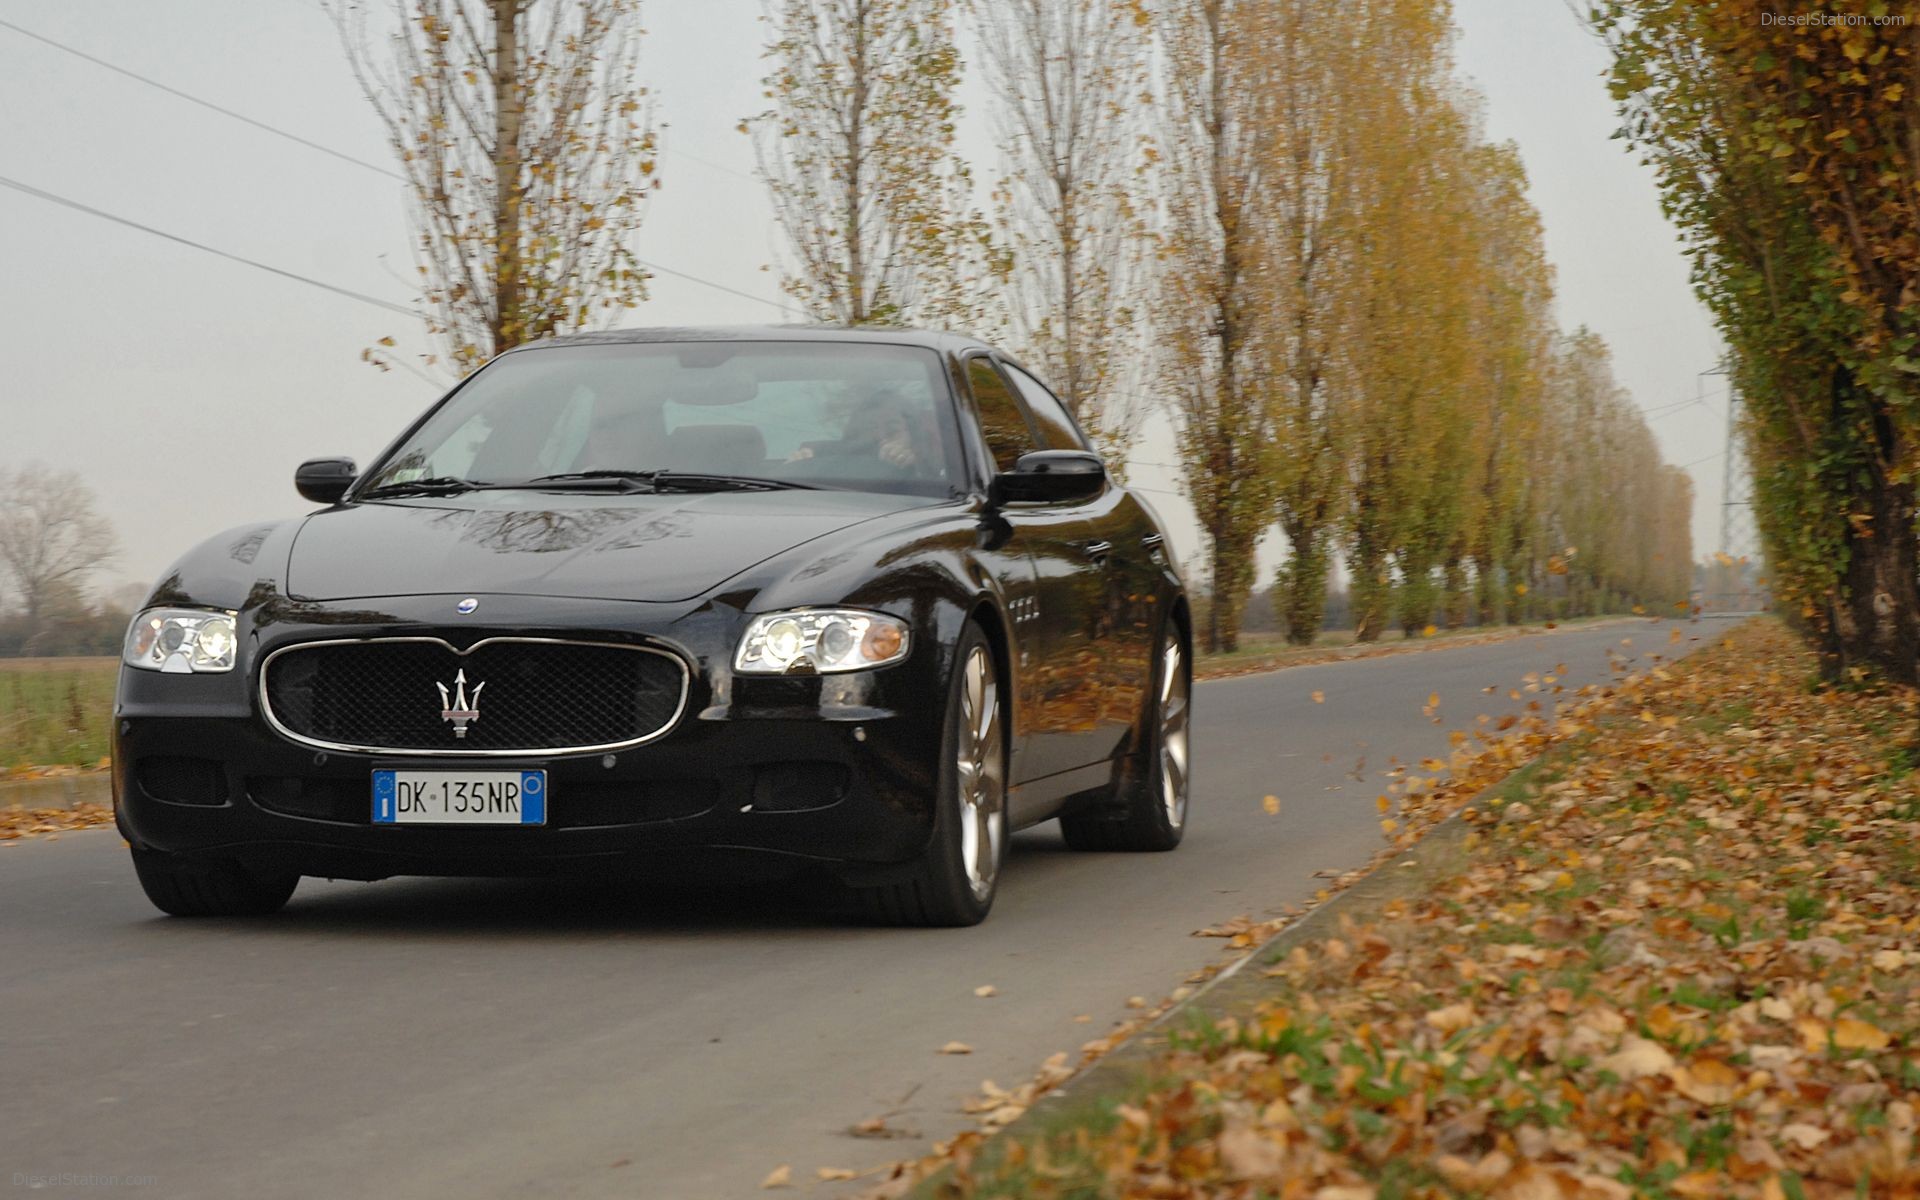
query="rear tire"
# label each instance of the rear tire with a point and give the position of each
(184, 887)
(954, 881)
(1151, 812)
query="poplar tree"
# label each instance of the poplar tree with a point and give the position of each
(1067, 78)
(857, 150)
(522, 130)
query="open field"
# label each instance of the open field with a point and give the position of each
(55, 711)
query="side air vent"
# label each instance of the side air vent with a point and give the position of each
(180, 780)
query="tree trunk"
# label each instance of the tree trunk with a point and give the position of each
(1456, 595)
(1371, 590)
(1489, 605)
(1882, 609)
(1300, 590)
(855, 194)
(509, 111)
(1873, 614)
(1418, 597)
(1230, 563)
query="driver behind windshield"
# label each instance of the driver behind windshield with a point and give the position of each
(853, 416)
(879, 442)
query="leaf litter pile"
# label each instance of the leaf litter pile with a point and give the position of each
(1679, 958)
(22, 822)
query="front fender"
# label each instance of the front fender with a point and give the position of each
(229, 570)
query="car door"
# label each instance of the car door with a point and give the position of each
(1006, 550)
(1094, 685)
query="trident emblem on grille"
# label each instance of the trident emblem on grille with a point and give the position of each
(460, 708)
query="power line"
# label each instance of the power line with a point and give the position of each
(207, 104)
(30, 190)
(708, 163)
(344, 157)
(190, 98)
(652, 266)
(1676, 406)
(43, 194)
(686, 154)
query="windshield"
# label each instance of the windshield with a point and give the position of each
(862, 416)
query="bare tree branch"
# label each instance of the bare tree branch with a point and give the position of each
(51, 537)
(525, 137)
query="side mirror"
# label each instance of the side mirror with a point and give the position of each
(1043, 475)
(325, 480)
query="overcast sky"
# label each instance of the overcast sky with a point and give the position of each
(187, 387)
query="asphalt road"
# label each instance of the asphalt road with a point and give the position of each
(426, 1038)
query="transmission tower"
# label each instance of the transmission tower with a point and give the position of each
(1737, 573)
(1739, 536)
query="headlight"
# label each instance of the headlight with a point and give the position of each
(181, 641)
(820, 640)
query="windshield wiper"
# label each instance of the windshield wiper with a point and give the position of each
(663, 480)
(438, 485)
(704, 481)
(626, 481)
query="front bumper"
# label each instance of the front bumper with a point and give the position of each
(836, 770)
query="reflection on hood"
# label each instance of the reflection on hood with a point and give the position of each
(644, 547)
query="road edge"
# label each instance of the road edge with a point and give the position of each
(1314, 657)
(1125, 1066)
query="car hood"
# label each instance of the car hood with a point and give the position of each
(664, 548)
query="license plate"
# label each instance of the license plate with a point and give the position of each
(409, 797)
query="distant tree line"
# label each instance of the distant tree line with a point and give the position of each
(1296, 234)
(1789, 155)
(1276, 221)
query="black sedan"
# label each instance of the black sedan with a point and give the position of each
(637, 602)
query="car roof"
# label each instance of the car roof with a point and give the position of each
(951, 343)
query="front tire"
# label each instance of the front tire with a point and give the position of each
(954, 881)
(183, 887)
(1151, 813)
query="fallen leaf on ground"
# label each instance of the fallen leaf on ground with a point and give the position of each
(1680, 965)
(1850, 1034)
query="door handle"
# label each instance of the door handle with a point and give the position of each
(1097, 551)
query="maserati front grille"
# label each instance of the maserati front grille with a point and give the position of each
(502, 696)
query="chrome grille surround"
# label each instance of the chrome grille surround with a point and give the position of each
(456, 750)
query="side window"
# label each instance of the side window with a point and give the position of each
(1001, 421)
(1050, 417)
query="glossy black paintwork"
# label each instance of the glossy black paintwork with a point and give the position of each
(672, 546)
(1072, 593)
(325, 480)
(1050, 476)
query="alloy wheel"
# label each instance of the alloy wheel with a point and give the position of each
(980, 763)
(1175, 692)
